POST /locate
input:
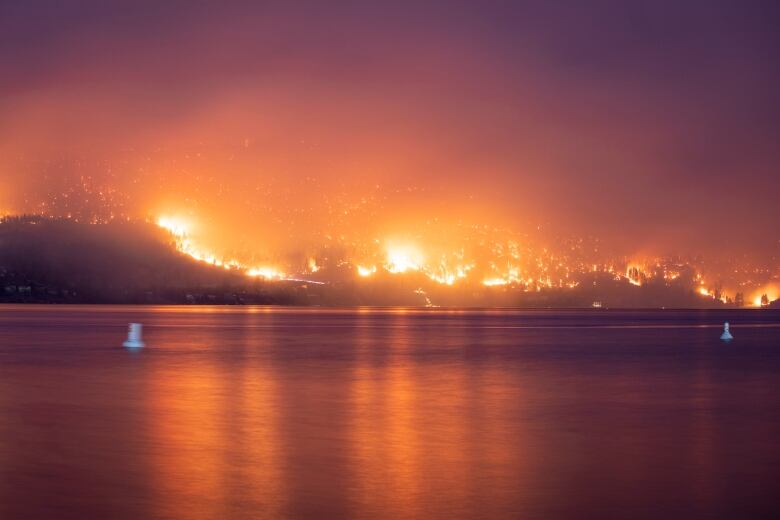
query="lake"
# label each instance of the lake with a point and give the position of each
(254, 412)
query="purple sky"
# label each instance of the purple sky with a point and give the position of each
(652, 124)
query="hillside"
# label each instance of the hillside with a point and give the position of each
(56, 260)
(47, 260)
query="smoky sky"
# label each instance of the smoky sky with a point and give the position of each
(651, 124)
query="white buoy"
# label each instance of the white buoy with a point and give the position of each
(133, 336)
(726, 336)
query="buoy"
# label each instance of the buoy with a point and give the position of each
(726, 336)
(133, 336)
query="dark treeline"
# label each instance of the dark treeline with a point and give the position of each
(46, 260)
(59, 260)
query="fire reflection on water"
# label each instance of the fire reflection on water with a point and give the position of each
(218, 447)
(274, 413)
(187, 405)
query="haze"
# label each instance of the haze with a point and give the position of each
(652, 125)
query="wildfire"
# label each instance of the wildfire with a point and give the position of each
(401, 259)
(180, 229)
(634, 274)
(771, 292)
(174, 226)
(445, 275)
(498, 263)
(366, 271)
(269, 273)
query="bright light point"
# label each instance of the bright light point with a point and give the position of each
(447, 279)
(634, 275)
(265, 272)
(403, 258)
(366, 271)
(174, 226)
(449, 267)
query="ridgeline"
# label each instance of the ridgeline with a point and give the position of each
(45, 260)
(49, 260)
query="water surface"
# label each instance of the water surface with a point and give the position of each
(304, 413)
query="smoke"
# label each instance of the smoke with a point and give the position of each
(275, 127)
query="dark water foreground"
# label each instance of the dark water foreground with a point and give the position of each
(263, 413)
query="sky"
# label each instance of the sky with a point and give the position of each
(652, 125)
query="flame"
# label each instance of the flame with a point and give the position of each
(268, 273)
(366, 271)
(772, 293)
(180, 229)
(174, 225)
(403, 258)
(446, 274)
(512, 276)
(499, 262)
(634, 274)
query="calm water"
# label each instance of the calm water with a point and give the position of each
(264, 413)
